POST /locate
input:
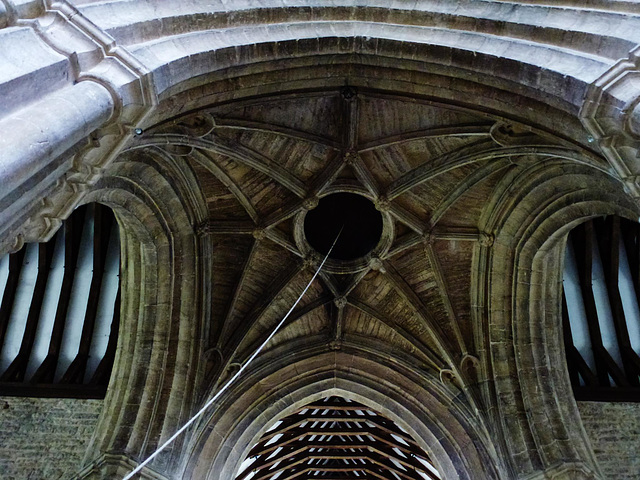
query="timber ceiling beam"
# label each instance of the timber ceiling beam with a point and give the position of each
(335, 438)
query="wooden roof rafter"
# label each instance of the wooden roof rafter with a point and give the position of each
(336, 438)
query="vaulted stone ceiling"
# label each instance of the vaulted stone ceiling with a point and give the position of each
(211, 127)
(434, 171)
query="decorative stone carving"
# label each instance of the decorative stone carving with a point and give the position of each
(447, 376)
(429, 238)
(512, 134)
(349, 93)
(382, 204)
(486, 239)
(340, 302)
(312, 260)
(611, 115)
(377, 264)
(469, 361)
(350, 157)
(310, 203)
(259, 234)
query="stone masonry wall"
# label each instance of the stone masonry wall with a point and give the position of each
(44, 438)
(614, 431)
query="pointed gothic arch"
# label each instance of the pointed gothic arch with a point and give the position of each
(420, 404)
(556, 115)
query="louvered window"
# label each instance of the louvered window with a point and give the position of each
(60, 308)
(600, 309)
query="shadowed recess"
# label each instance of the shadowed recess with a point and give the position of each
(358, 218)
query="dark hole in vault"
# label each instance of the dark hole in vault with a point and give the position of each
(362, 226)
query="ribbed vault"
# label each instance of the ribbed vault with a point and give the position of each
(335, 438)
(441, 177)
(481, 131)
(430, 170)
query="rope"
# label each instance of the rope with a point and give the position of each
(237, 374)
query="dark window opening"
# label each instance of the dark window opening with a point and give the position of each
(358, 218)
(601, 314)
(59, 315)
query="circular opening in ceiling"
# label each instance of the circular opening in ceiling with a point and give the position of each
(358, 218)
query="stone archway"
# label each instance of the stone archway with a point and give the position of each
(420, 404)
(179, 59)
(522, 278)
(200, 56)
(156, 361)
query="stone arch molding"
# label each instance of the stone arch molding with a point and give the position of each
(156, 202)
(275, 388)
(518, 284)
(114, 67)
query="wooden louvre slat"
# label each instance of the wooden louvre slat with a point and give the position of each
(73, 383)
(9, 294)
(17, 369)
(102, 229)
(608, 235)
(73, 234)
(610, 381)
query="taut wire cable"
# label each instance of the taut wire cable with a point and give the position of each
(237, 374)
